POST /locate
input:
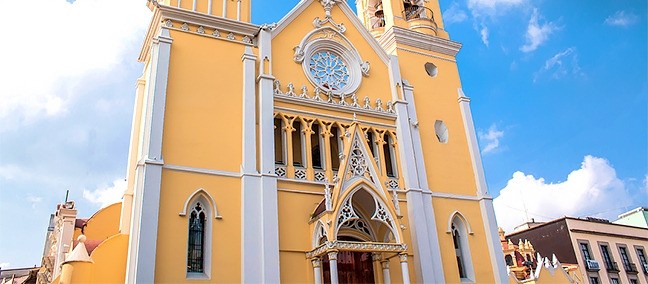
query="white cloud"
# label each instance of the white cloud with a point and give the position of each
(454, 14)
(593, 190)
(484, 34)
(106, 194)
(491, 7)
(491, 139)
(34, 201)
(42, 65)
(4, 264)
(484, 13)
(562, 64)
(621, 19)
(537, 34)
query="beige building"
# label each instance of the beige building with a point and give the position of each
(605, 252)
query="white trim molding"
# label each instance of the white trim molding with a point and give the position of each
(140, 266)
(209, 199)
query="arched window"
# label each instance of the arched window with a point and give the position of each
(298, 160)
(509, 260)
(462, 250)
(390, 157)
(456, 239)
(196, 248)
(199, 210)
(279, 141)
(316, 147)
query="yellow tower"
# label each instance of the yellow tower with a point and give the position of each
(328, 148)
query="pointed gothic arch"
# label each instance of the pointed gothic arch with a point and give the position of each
(464, 221)
(320, 235)
(459, 229)
(208, 198)
(374, 211)
(198, 210)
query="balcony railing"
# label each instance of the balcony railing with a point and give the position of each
(630, 268)
(592, 265)
(612, 266)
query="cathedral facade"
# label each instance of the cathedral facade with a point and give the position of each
(331, 147)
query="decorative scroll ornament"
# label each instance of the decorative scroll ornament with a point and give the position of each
(328, 6)
(358, 162)
(328, 195)
(382, 215)
(346, 213)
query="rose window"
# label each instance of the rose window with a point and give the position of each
(329, 71)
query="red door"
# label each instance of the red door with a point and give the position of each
(353, 267)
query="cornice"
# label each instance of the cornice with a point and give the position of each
(163, 13)
(400, 36)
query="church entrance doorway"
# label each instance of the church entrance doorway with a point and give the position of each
(353, 267)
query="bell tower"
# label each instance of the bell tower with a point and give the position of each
(422, 16)
(239, 10)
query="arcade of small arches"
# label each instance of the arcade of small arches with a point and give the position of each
(309, 148)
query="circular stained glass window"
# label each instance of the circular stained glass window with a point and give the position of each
(329, 71)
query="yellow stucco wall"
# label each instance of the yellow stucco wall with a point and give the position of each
(103, 224)
(172, 239)
(203, 94)
(444, 208)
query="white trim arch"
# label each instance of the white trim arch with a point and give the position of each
(459, 231)
(457, 214)
(209, 209)
(319, 233)
(382, 213)
(208, 198)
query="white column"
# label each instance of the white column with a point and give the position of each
(427, 264)
(140, 265)
(333, 266)
(404, 268)
(385, 271)
(317, 270)
(238, 10)
(486, 201)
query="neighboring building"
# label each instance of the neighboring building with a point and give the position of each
(331, 147)
(18, 275)
(604, 252)
(637, 217)
(525, 265)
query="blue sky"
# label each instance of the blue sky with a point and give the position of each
(559, 97)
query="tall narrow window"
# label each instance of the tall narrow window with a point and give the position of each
(456, 238)
(335, 148)
(585, 249)
(462, 250)
(278, 139)
(625, 259)
(605, 251)
(196, 251)
(316, 149)
(371, 142)
(389, 156)
(297, 144)
(642, 259)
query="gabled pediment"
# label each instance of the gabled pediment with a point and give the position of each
(328, 17)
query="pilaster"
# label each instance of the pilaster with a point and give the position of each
(427, 265)
(140, 265)
(486, 202)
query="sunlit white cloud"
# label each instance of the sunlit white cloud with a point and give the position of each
(454, 14)
(537, 33)
(485, 11)
(106, 194)
(491, 7)
(43, 66)
(621, 19)
(592, 190)
(561, 64)
(490, 139)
